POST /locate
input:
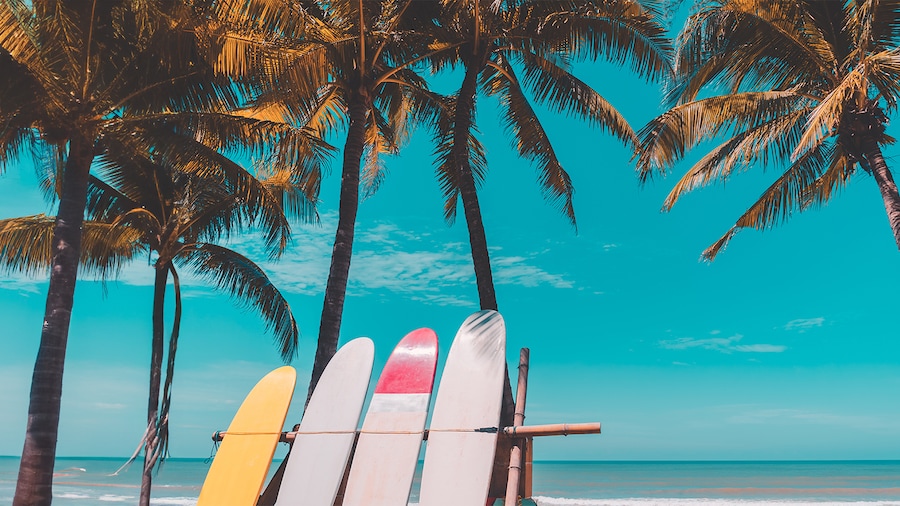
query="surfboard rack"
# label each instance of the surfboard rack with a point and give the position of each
(518, 476)
(512, 481)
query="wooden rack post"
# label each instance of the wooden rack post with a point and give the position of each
(515, 454)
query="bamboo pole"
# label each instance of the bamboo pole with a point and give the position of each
(529, 459)
(515, 454)
(554, 429)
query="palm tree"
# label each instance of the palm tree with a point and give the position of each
(80, 76)
(506, 48)
(349, 60)
(179, 216)
(806, 85)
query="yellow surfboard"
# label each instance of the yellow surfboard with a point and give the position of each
(238, 472)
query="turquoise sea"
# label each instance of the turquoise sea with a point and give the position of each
(90, 481)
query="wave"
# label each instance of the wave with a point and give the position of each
(174, 501)
(116, 498)
(71, 495)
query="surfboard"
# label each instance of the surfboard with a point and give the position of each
(462, 437)
(325, 437)
(384, 463)
(238, 472)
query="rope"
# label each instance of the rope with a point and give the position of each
(215, 448)
(218, 434)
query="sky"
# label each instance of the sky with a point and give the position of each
(783, 348)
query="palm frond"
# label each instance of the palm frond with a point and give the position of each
(26, 245)
(199, 159)
(556, 87)
(105, 203)
(620, 31)
(298, 193)
(753, 41)
(532, 142)
(665, 139)
(840, 169)
(775, 137)
(781, 198)
(883, 72)
(824, 119)
(18, 40)
(248, 285)
(877, 22)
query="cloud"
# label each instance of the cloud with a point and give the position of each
(419, 266)
(386, 257)
(803, 324)
(760, 348)
(721, 344)
(516, 271)
(22, 283)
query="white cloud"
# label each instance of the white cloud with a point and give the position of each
(517, 271)
(720, 344)
(760, 348)
(22, 283)
(803, 324)
(385, 257)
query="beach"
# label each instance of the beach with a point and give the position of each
(90, 481)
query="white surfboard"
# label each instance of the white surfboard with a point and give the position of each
(384, 463)
(462, 437)
(322, 446)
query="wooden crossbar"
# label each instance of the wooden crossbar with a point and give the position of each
(514, 432)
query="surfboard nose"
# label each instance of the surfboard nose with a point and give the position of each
(485, 331)
(411, 366)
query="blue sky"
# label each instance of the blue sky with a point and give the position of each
(785, 347)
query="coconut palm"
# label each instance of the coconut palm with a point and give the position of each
(77, 77)
(806, 86)
(178, 216)
(506, 48)
(347, 62)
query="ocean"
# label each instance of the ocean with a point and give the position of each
(90, 481)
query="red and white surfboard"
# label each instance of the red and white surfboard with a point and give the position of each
(381, 473)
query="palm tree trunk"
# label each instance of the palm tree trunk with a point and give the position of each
(465, 111)
(463, 118)
(462, 123)
(336, 288)
(886, 184)
(35, 481)
(156, 358)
